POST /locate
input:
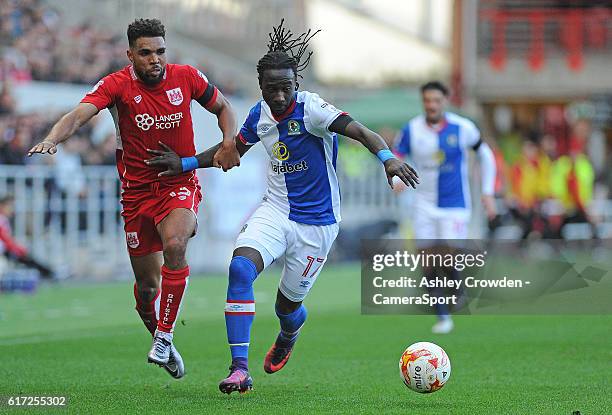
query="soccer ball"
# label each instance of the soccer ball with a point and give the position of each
(424, 367)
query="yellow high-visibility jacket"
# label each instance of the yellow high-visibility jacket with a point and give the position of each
(572, 181)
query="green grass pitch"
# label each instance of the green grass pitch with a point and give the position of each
(86, 342)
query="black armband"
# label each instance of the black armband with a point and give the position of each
(207, 96)
(340, 123)
(477, 145)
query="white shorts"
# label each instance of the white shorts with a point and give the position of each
(447, 224)
(269, 231)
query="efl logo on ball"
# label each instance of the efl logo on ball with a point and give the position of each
(424, 367)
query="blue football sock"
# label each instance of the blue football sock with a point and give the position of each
(442, 310)
(240, 308)
(240, 363)
(292, 322)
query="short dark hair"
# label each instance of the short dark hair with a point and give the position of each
(437, 85)
(145, 28)
(533, 136)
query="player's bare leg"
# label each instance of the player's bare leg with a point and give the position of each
(292, 316)
(175, 231)
(146, 292)
(146, 289)
(246, 264)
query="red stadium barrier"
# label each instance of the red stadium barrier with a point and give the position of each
(577, 30)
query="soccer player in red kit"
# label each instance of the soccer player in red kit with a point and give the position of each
(150, 103)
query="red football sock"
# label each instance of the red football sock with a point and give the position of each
(146, 311)
(174, 283)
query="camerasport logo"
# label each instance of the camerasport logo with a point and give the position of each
(160, 122)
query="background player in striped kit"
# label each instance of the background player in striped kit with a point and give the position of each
(437, 142)
(300, 212)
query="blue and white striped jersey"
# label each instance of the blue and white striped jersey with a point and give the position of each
(302, 181)
(440, 158)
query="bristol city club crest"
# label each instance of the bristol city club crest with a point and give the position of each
(175, 96)
(132, 239)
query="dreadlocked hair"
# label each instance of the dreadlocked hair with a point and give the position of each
(285, 51)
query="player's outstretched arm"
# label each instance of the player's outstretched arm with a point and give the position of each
(64, 128)
(348, 127)
(172, 164)
(227, 155)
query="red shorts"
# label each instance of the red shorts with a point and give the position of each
(144, 208)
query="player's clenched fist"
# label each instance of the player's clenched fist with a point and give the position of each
(43, 147)
(395, 167)
(227, 156)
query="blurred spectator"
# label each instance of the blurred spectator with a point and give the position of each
(11, 151)
(572, 184)
(108, 150)
(12, 249)
(548, 146)
(7, 102)
(104, 153)
(579, 138)
(69, 176)
(608, 175)
(501, 169)
(530, 184)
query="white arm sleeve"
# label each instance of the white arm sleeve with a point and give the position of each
(488, 169)
(320, 113)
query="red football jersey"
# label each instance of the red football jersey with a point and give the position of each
(145, 115)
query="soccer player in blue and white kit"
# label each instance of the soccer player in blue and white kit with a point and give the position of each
(438, 142)
(300, 211)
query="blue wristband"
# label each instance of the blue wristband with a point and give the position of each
(384, 155)
(189, 163)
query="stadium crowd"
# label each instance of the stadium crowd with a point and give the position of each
(553, 175)
(18, 132)
(546, 177)
(544, 189)
(36, 46)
